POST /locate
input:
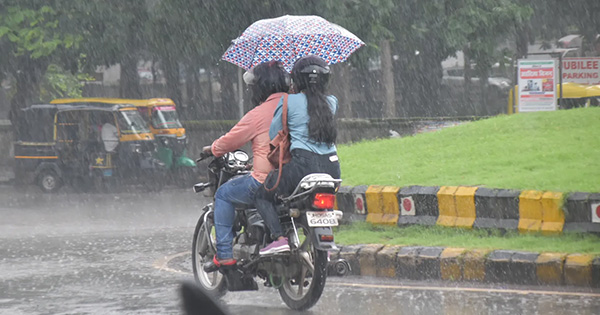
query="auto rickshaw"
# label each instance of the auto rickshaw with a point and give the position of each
(574, 95)
(161, 115)
(85, 146)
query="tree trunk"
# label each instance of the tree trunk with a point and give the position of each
(28, 75)
(344, 83)
(388, 79)
(229, 105)
(171, 69)
(129, 84)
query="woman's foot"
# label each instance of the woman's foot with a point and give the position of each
(279, 246)
(216, 263)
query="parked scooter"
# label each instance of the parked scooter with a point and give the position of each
(307, 217)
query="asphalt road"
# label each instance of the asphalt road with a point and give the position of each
(127, 254)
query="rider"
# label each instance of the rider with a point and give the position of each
(313, 133)
(268, 82)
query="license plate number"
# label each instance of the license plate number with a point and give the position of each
(321, 218)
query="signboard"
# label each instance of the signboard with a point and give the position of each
(581, 70)
(537, 85)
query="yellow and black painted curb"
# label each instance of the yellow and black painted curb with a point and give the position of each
(459, 264)
(528, 211)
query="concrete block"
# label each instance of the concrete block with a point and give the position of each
(385, 260)
(366, 259)
(345, 200)
(523, 268)
(530, 211)
(406, 262)
(474, 267)
(578, 270)
(428, 263)
(549, 268)
(553, 217)
(447, 206)
(465, 206)
(497, 266)
(425, 205)
(374, 201)
(359, 194)
(496, 208)
(451, 264)
(578, 216)
(391, 206)
(596, 272)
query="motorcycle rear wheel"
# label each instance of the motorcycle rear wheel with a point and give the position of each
(203, 250)
(304, 291)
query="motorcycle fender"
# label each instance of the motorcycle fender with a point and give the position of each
(185, 161)
(316, 232)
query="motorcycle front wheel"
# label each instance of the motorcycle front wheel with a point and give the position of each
(203, 250)
(304, 290)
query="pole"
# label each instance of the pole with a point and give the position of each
(240, 88)
(560, 79)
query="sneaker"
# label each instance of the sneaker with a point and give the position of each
(280, 246)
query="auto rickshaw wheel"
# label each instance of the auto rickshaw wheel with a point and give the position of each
(49, 181)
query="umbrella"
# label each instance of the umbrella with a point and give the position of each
(290, 37)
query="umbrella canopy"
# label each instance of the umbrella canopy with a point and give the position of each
(290, 37)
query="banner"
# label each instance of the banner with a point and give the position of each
(537, 85)
(581, 70)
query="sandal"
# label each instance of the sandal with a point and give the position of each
(215, 264)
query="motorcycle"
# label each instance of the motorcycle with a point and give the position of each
(306, 216)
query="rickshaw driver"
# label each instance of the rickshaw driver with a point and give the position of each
(110, 137)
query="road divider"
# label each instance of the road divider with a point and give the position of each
(528, 211)
(477, 265)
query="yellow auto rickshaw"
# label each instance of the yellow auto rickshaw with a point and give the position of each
(161, 115)
(85, 146)
(574, 95)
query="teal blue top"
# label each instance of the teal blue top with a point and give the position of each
(298, 124)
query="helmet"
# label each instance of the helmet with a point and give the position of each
(310, 70)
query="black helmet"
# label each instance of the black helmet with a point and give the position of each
(310, 70)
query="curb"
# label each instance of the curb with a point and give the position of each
(528, 211)
(459, 264)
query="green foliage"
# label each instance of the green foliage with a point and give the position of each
(544, 151)
(34, 32)
(58, 83)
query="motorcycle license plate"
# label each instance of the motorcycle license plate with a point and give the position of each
(321, 218)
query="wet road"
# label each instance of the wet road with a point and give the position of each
(127, 253)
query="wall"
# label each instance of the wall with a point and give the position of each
(201, 133)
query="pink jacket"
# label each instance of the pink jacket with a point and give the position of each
(254, 126)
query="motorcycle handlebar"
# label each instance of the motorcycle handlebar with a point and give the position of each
(204, 156)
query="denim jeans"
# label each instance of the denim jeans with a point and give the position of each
(237, 191)
(303, 163)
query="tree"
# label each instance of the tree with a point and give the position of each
(31, 37)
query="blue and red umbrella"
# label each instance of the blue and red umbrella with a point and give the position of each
(290, 37)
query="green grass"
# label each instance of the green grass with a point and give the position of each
(557, 151)
(366, 233)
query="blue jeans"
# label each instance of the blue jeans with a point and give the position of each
(303, 163)
(237, 191)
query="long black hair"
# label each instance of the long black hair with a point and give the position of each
(268, 78)
(311, 76)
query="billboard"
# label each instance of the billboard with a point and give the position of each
(581, 70)
(537, 85)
